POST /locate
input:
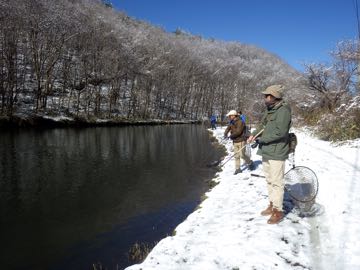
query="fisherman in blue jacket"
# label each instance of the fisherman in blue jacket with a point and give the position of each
(213, 122)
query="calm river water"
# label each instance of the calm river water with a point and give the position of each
(71, 198)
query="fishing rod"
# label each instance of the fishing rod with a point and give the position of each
(216, 163)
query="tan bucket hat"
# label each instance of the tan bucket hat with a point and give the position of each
(232, 112)
(276, 91)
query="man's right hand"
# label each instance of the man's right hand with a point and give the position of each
(250, 139)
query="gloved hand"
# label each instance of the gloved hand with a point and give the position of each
(256, 143)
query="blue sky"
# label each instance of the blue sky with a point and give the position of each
(296, 30)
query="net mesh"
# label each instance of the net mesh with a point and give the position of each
(302, 184)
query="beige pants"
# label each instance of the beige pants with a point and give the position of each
(239, 150)
(274, 173)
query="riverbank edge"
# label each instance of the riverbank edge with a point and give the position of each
(38, 120)
(139, 251)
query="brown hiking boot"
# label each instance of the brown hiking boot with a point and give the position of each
(268, 210)
(276, 217)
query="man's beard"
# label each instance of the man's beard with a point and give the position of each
(270, 104)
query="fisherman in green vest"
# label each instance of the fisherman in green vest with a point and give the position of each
(274, 148)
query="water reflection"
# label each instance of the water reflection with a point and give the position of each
(67, 194)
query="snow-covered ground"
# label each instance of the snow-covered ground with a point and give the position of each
(227, 231)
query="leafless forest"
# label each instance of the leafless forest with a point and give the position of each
(83, 58)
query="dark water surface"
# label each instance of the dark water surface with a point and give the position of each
(70, 198)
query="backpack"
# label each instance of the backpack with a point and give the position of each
(246, 133)
(243, 118)
(292, 142)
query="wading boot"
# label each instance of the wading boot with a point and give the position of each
(276, 217)
(267, 211)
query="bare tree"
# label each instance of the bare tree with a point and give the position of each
(337, 81)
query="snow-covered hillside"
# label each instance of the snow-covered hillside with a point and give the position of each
(227, 231)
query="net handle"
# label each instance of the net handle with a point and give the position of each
(292, 160)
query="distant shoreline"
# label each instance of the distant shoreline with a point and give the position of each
(35, 120)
